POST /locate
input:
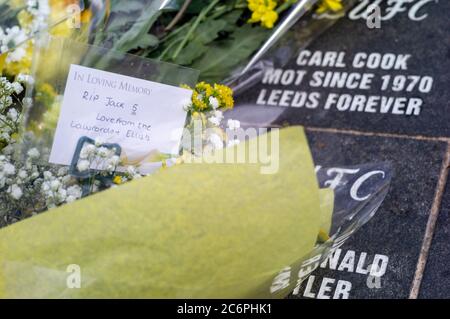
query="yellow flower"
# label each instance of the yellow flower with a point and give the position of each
(198, 101)
(205, 89)
(206, 97)
(225, 96)
(268, 19)
(329, 5)
(117, 180)
(24, 65)
(263, 11)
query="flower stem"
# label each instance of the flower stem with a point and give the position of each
(191, 31)
(286, 5)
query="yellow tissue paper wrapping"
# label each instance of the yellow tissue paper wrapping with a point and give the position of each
(190, 231)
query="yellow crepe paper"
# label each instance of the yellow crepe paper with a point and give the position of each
(191, 231)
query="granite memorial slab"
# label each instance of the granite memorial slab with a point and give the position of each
(436, 279)
(388, 78)
(392, 239)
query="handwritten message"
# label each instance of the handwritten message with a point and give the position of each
(141, 116)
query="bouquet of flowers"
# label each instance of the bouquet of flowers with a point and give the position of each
(215, 37)
(198, 227)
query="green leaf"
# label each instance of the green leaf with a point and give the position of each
(119, 22)
(147, 41)
(196, 6)
(223, 56)
(232, 17)
(127, 6)
(192, 51)
(208, 30)
(130, 39)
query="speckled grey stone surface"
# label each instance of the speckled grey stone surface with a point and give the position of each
(397, 229)
(436, 280)
(427, 41)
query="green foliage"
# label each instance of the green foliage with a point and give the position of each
(223, 55)
(212, 35)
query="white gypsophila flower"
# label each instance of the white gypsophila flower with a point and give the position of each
(186, 104)
(15, 191)
(83, 165)
(214, 102)
(55, 184)
(13, 115)
(33, 153)
(25, 78)
(48, 175)
(233, 143)
(218, 114)
(27, 102)
(61, 195)
(87, 151)
(103, 152)
(214, 120)
(22, 174)
(6, 101)
(131, 170)
(74, 191)
(18, 88)
(233, 124)
(99, 141)
(216, 141)
(62, 171)
(12, 38)
(46, 187)
(114, 160)
(9, 169)
(8, 150)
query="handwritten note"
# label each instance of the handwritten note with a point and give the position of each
(143, 117)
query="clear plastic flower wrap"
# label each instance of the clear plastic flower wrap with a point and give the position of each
(211, 226)
(21, 20)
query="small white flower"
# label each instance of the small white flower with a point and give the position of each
(62, 171)
(214, 120)
(22, 174)
(103, 152)
(45, 187)
(70, 199)
(33, 153)
(27, 102)
(13, 115)
(55, 184)
(18, 88)
(87, 151)
(25, 78)
(186, 103)
(131, 170)
(216, 141)
(9, 169)
(233, 143)
(233, 124)
(99, 141)
(15, 192)
(62, 194)
(74, 191)
(83, 165)
(48, 175)
(214, 102)
(218, 114)
(114, 160)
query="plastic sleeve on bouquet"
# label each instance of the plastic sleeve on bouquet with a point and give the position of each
(191, 231)
(21, 20)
